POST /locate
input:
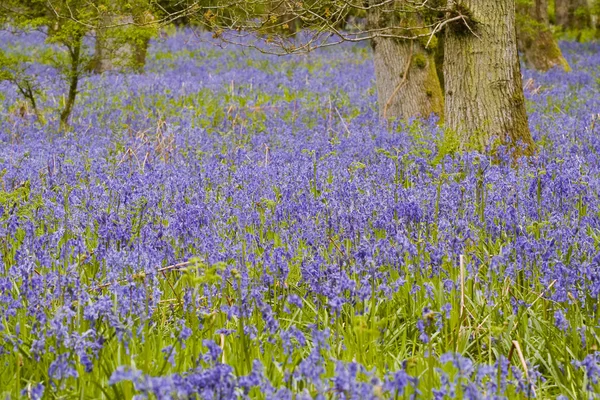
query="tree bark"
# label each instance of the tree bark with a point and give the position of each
(535, 39)
(405, 72)
(485, 104)
(439, 60)
(75, 56)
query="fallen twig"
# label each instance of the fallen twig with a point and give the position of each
(142, 275)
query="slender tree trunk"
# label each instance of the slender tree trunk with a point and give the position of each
(579, 15)
(485, 104)
(405, 72)
(561, 10)
(75, 54)
(111, 51)
(594, 7)
(572, 14)
(123, 47)
(142, 40)
(535, 39)
(28, 93)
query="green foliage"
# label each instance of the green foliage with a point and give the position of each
(447, 146)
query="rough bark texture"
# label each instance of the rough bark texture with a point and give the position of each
(535, 39)
(485, 104)
(406, 78)
(439, 60)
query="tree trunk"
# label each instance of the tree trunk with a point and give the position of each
(119, 47)
(439, 60)
(561, 10)
(535, 39)
(594, 7)
(75, 55)
(406, 78)
(572, 14)
(485, 104)
(579, 15)
(142, 39)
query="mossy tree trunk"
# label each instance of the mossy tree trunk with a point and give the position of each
(535, 39)
(74, 73)
(485, 104)
(405, 72)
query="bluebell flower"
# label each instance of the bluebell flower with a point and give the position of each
(561, 321)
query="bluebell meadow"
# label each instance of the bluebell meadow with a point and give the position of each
(237, 225)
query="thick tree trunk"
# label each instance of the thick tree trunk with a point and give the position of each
(485, 104)
(406, 78)
(535, 39)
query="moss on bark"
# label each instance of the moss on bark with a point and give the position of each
(535, 40)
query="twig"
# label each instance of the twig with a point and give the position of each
(343, 122)
(462, 285)
(516, 346)
(222, 348)
(142, 275)
(337, 246)
(541, 294)
(471, 30)
(439, 27)
(266, 155)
